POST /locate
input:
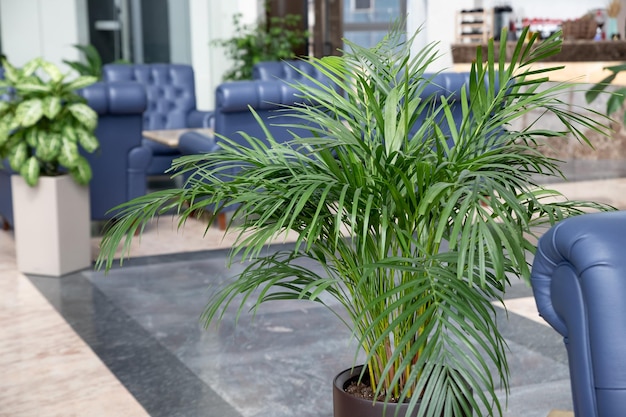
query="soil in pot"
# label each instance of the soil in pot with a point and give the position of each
(355, 400)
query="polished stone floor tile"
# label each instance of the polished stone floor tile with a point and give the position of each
(47, 370)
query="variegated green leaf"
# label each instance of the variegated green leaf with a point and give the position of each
(51, 106)
(52, 70)
(18, 156)
(30, 171)
(32, 87)
(32, 137)
(4, 107)
(69, 153)
(69, 132)
(30, 67)
(84, 114)
(87, 140)
(46, 136)
(81, 172)
(4, 132)
(15, 137)
(49, 147)
(81, 82)
(10, 72)
(14, 123)
(29, 112)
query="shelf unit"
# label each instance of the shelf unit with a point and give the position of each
(474, 26)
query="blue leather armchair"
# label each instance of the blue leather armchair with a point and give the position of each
(171, 96)
(232, 115)
(119, 165)
(579, 284)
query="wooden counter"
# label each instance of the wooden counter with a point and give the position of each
(571, 51)
(584, 61)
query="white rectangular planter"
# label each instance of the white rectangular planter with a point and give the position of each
(52, 225)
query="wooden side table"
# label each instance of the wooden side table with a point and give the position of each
(170, 137)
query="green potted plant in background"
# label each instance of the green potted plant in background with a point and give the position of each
(274, 39)
(92, 64)
(43, 124)
(416, 237)
(615, 101)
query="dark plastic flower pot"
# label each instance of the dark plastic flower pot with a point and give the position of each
(347, 405)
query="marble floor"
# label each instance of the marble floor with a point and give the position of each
(131, 343)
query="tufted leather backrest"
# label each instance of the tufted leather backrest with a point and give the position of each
(170, 90)
(267, 98)
(579, 284)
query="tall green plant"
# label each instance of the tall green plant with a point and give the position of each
(615, 101)
(93, 62)
(272, 40)
(44, 122)
(416, 238)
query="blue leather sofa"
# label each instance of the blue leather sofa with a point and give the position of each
(119, 165)
(171, 96)
(579, 284)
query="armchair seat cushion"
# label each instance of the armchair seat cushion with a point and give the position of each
(158, 148)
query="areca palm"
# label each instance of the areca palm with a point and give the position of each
(418, 221)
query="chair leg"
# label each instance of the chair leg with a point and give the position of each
(221, 221)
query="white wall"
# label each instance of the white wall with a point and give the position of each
(438, 25)
(46, 28)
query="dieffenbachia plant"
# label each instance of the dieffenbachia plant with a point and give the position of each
(44, 122)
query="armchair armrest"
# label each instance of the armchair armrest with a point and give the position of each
(139, 159)
(200, 118)
(191, 143)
